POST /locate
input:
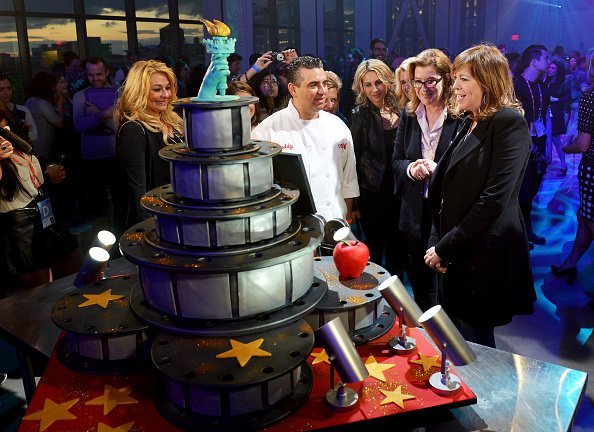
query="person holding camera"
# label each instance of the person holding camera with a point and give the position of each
(267, 59)
(33, 246)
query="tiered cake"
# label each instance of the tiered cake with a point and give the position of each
(227, 273)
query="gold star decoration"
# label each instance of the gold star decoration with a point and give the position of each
(395, 396)
(112, 397)
(244, 352)
(99, 299)
(427, 361)
(375, 369)
(320, 357)
(52, 412)
(102, 427)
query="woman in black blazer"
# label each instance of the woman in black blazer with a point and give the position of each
(145, 123)
(425, 132)
(479, 240)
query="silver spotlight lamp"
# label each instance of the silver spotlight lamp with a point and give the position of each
(406, 309)
(105, 239)
(347, 362)
(93, 267)
(448, 339)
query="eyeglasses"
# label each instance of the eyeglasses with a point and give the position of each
(429, 84)
(270, 83)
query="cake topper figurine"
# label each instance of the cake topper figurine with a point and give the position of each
(214, 86)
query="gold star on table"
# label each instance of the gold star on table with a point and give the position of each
(244, 352)
(102, 427)
(395, 396)
(112, 397)
(52, 412)
(99, 299)
(375, 369)
(320, 357)
(427, 361)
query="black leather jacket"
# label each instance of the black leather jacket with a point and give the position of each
(370, 153)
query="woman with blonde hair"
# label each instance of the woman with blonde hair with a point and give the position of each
(479, 243)
(374, 122)
(145, 123)
(425, 132)
(403, 87)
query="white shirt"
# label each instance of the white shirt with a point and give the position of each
(429, 139)
(24, 163)
(326, 146)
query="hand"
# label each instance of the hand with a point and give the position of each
(91, 109)
(108, 112)
(353, 216)
(6, 149)
(434, 261)
(290, 55)
(56, 173)
(263, 61)
(422, 168)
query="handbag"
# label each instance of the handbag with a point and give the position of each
(580, 145)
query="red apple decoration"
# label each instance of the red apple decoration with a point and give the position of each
(350, 258)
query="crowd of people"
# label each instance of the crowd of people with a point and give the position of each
(439, 161)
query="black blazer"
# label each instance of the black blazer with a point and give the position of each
(137, 150)
(478, 226)
(407, 149)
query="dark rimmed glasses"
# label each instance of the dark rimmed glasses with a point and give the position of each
(431, 83)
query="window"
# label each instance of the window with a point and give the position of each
(155, 39)
(9, 57)
(190, 9)
(473, 22)
(152, 10)
(339, 31)
(276, 25)
(108, 39)
(49, 6)
(192, 46)
(48, 39)
(115, 8)
(417, 31)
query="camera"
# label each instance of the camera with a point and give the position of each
(277, 56)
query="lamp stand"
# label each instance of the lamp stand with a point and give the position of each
(341, 397)
(444, 382)
(402, 344)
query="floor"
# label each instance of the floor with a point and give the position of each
(560, 330)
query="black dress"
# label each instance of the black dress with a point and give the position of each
(586, 168)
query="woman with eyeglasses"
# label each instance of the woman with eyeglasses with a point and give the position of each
(374, 122)
(425, 132)
(479, 244)
(270, 92)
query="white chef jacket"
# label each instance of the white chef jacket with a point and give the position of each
(326, 146)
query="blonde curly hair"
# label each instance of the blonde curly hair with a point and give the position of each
(134, 94)
(385, 75)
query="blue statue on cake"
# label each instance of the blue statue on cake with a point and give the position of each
(220, 46)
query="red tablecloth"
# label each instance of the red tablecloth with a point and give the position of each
(70, 401)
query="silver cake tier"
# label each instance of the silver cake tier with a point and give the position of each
(216, 126)
(184, 223)
(357, 302)
(199, 383)
(214, 286)
(220, 177)
(101, 339)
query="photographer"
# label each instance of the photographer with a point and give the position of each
(265, 60)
